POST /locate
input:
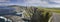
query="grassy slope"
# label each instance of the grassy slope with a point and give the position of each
(53, 10)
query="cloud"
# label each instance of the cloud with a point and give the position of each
(4, 1)
(12, 2)
(56, 1)
(44, 3)
(35, 2)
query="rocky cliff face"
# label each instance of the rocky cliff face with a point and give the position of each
(14, 18)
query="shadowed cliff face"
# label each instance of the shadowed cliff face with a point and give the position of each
(38, 15)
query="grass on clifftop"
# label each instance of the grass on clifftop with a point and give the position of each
(53, 10)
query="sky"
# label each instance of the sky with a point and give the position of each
(43, 3)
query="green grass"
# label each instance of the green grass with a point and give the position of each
(53, 10)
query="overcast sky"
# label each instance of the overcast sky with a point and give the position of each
(44, 3)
